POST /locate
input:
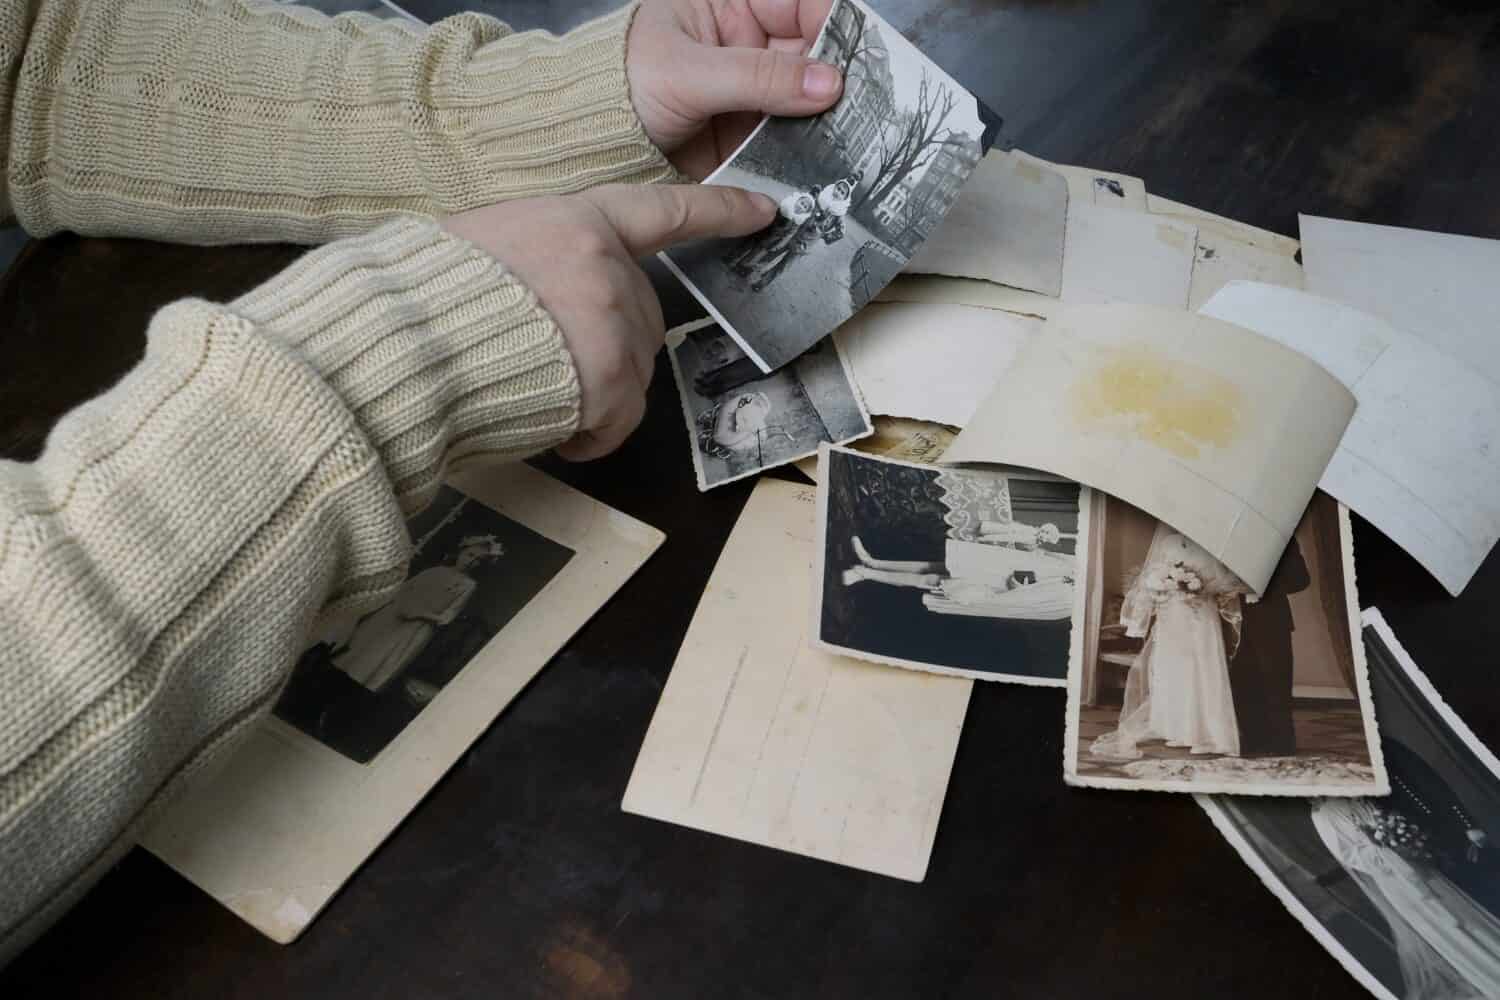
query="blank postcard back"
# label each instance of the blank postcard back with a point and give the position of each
(760, 737)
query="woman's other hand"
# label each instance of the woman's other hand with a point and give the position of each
(578, 255)
(702, 72)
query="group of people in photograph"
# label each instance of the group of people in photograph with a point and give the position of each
(804, 218)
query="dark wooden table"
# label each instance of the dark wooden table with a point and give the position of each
(519, 876)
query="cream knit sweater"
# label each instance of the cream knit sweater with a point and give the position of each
(163, 558)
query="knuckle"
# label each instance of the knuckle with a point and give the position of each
(677, 210)
(771, 70)
(589, 240)
(609, 295)
(735, 203)
(613, 361)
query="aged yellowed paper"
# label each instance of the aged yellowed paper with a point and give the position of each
(760, 737)
(1006, 226)
(932, 362)
(1217, 431)
(1437, 287)
(1418, 459)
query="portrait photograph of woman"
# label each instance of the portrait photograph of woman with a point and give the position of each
(1404, 890)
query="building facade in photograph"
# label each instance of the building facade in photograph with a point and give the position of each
(909, 211)
(849, 136)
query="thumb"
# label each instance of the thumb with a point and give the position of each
(771, 81)
(648, 218)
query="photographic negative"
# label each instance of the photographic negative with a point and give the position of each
(1405, 890)
(860, 187)
(956, 571)
(741, 420)
(1181, 680)
(472, 570)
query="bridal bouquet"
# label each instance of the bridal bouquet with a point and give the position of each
(1392, 830)
(1176, 578)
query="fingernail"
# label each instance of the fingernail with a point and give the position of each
(764, 202)
(820, 81)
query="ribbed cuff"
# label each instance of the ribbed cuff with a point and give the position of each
(441, 354)
(542, 114)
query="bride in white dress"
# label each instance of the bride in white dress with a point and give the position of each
(1178, 687)
(1448, 945)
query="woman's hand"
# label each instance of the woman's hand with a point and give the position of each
(578, 255)
(702, 72)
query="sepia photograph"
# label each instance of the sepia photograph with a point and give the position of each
(741, 420)
(860, 187)
(1182, 679)
(471, 571)
(1403, 890)
(967, 572)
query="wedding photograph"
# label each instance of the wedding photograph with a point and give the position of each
(968, 572)
(472, 569)
(860, 187)
(741, 421)
(1182, 679)
(1404, 890)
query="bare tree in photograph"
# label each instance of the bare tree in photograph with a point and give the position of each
(921, 134)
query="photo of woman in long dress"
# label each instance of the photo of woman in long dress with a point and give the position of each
(1403, 889)
(1448, 944)
(1156, 671)
(1178, 689)
(362, 681)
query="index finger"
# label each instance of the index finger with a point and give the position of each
(648, 218)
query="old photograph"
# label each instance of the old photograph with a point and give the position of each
(860, 187)
(472, 570)
(957, 571)
(513, 564)
(1182, 679)
(1403, 890)
(741, 420)
(1006, 226)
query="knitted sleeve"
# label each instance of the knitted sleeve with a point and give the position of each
(224, 121)
(162, 560)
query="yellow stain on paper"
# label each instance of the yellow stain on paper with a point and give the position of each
(1180, 407)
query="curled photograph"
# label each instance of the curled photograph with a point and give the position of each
(860, 187)
(1403, 890)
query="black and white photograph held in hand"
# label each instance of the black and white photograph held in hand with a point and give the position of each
(860, 186)
(741, 420)
(471, 571)
(1403, 890)
(958, 571)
